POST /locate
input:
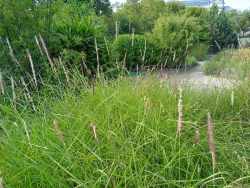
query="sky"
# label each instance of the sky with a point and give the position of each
(236, 4)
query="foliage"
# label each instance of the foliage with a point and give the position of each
(230, 63)
(221, 31)
(174, 35)
(126, 21)
(77, 35)
(234, 17)
(197, 12)
(174, 7)
(20, 22)
(244, 21)
(136, 15)
(119, 135)
(151, 10)
(199, 51)
(141, 53)
(191, 60)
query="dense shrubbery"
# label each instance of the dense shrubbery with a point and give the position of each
(230, 63)
(174, 35)
(138, 51)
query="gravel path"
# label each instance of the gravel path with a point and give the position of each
(198, 79)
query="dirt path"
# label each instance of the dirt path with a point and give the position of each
(198, 79)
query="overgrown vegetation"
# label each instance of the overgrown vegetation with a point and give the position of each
(230, 63)
(72, 118)
(124, 133)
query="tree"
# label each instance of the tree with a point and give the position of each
(196, 12)
(102, 7)
(151, 11)
(244, 21)
(174, 35)
(233, 16)
(221, 31)
(174, 7)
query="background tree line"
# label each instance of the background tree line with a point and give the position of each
(82, 33)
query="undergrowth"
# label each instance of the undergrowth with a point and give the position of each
(230, 63)
(124, 133)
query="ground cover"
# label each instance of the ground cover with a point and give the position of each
(129, 132)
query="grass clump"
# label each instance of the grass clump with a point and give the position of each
(121, 134)
(230, 63)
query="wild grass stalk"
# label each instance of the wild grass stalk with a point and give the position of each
(64, 70)
(32, 68)
(27, 133)
(13, 90)
(211, 139)
(97, 59)
(124, 62)
(1, 183)
(133, 37)
(2, 84)
(28, 94)
(59, 133)
(38, 45)
(47, 53)
(116, 29)
(93, 128)
(107, 47)
(12, 53)
(197, 137)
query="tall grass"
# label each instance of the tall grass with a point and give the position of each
(117, 135)
(230, 63)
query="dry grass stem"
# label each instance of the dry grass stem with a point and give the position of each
(211, 139)
(116, 29)
(175, 84)
(146, 104)
(28, 94)
(93, 86)
(232, 98)
(244, 163)
(27, 132)
(144, 53)
(2, 84)
(32, 68)
(12, 53)
(13, 91)
(47, 53)
(197, 136)
(180, 111)
(107, 47)
(133, 37)
(124, 61)
(41, 79)
(93, 128)
(97, 59)
(64, 70)
(59, 133)
(38, 45)
(1, 183)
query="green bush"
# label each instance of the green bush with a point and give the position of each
(221, 30)
(192, 61)
(199, 51)
(174, 35)
(230, 63)
(142, 52)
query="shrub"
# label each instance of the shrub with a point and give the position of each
(142, 52)
(199, 51)
(221, 30)
(225, 64)
(174, 35)
(192, 61)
